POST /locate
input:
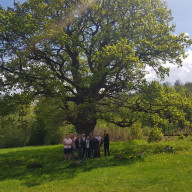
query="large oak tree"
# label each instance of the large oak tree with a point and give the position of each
(82, 51)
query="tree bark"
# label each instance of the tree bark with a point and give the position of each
(84, 118)
(85, 126)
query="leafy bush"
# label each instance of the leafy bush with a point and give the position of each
(136, 131)
(155, 135)
(116, 133)
(38, 132)
(181, 137)
(65, 129)
(146, 130)
(13, 132)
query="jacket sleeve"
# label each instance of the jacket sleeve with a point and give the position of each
(76, 143)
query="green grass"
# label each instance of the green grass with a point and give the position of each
(132, 166)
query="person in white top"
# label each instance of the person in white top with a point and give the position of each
(84, 139)
(87, 148)
(67, 147)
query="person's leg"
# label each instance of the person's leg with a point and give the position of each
(99, 152)
(81, 153)
(69, 153)
(77, 153)
(86, 153)
(92, 150)
(105, 149)
(69, 156)
(108, 150)
(95, 153)
(65, 154)
(72, 154)
(89, 153)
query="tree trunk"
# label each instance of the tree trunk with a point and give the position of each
(84, 118)
(85, 125)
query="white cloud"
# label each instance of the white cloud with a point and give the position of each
(184, 73)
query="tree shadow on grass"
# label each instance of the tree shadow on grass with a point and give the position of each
(42, 165)
(67, 170)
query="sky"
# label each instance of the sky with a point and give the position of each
(182, 13)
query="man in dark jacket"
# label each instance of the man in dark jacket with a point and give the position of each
(79, 146)
(84, 144)
(95, 147)
(106, 142)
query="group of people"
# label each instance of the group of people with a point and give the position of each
(85, 147)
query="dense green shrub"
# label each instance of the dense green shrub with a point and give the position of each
(37, 135)
(116, 133)
(136, 131)
(155, 135)
(13, 132)
(146, 130)
(181, 137)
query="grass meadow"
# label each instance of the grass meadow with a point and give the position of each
(133, 166)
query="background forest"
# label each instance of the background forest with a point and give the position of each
(161, 108)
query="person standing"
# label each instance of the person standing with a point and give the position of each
(67, 147)
(95, 147)
(87, 147)
(84, 140)
(91, 137)
(98, 137)
(73, 147)
(106, 142)
(79, 146)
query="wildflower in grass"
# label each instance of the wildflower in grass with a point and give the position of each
(179, 161)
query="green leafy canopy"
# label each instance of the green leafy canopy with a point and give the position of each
(84, 51)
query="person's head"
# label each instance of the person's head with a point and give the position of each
(79, 136)
(105, 131)
(71, 135)
(83, 135)
(88, 137)
(67, 136)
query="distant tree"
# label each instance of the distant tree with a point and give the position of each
(16, 119)
(167, 84)
(178, 85)
(80, 52)
(188, 89)
(154, 105)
